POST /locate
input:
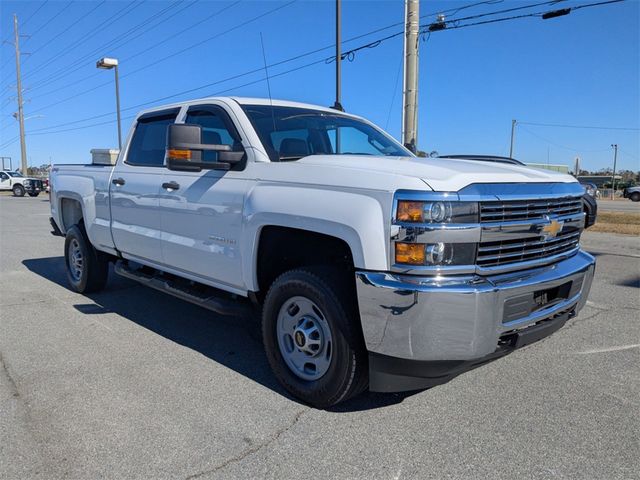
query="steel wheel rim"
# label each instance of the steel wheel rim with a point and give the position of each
(304, 338)
(76, 260)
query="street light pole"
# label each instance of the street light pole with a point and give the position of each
(118, 109)
(613, 177)
(107, 64)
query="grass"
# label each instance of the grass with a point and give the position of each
(617, 222)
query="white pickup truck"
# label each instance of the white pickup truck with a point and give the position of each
(372, 267)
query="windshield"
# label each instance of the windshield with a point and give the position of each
(14, 174)
(290, 133)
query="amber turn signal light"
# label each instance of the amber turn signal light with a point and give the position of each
(410, 253)
(179, 154)
(410, 211)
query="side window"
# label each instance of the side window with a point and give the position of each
(4, 176)
(217, 128)
(149, 140)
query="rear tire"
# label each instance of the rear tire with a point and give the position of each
(312, 338)
(87, 269)
(18, 191)
(635, 197)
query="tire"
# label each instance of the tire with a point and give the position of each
(34, 194)
(300, 301)
(635, 197)
(87, 269)
(18, 191)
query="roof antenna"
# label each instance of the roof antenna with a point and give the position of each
(266, 71)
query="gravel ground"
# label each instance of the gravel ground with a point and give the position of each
(131, 383)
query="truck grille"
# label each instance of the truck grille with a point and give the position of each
(492, 254)
(507, 217)
(528, 209)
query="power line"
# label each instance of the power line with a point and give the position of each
(83, 38)
(253, 82)
(455, 10)
(164, 58)
(562, 146)
(348, 54)
(527, 15)
(577, 126)
(123, 37)
(155, 45)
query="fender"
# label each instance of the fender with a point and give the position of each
(357, 218)
(90, 190)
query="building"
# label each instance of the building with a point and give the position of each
(598, 180)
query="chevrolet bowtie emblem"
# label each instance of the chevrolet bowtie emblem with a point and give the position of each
(551, 229)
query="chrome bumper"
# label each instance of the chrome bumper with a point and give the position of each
(463, 318)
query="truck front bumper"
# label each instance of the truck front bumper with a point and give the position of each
(421, 331)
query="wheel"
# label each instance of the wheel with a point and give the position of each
(312, 338)
(635, 197)
(87, 269)
(18, 190)
(34, 194)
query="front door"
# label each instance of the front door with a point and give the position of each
(202, 216)
(5, 182)
(136, 186)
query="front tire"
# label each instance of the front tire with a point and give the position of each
(87, 269)
(635, 197)
(18, 191)
(312, 338)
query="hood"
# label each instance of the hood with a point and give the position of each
(440, 174)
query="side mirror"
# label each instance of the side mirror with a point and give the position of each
(185, 147)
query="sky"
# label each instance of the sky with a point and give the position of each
(582, 69)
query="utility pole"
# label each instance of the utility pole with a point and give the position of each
(23, 144)
(513, 134)
(613, 177)
(410, 78)
(338, 105)
(576, 168)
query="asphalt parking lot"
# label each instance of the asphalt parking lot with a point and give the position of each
(131, 383)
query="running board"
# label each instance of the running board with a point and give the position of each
(212, 299)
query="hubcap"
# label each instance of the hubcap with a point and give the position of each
(304, 338)
(76, 260)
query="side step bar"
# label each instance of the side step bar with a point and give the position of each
(213, 299)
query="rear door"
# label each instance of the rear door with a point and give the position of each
(136, 185)
(202, 217)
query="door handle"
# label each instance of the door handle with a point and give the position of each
(171, 185)
(118, 181)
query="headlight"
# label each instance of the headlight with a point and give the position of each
(409, 211)
(435, 254)
(26, 183)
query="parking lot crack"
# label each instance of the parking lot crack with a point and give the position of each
(250, 451)
(12, 384)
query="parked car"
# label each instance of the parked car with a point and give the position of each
(632, 193)
(590, 203)
(19, 184)
(372, 267)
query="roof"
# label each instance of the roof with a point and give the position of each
(248, 101)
